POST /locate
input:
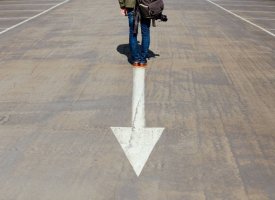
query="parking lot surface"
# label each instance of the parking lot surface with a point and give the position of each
(65, 80)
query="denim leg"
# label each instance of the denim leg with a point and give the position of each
(145, 31)
(133, 38)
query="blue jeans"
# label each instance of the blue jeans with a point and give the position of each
(139, 55)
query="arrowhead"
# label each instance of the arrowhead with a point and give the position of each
(137, 144)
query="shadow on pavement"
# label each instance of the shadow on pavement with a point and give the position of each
(125, 50)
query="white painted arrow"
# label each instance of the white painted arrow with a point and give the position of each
(137, 141)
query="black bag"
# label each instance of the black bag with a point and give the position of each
(150, 9)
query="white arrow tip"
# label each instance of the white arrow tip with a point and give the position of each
(137, 144)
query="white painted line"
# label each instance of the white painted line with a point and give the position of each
(138, 113)
(238, 16)
(16, 25)
(137, 141)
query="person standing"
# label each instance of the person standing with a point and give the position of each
(138, 55)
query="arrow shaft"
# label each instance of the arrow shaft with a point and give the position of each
(137, 141)
(138, 100)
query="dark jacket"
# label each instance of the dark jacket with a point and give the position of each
(127, 3)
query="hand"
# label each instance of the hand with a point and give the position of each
(123, 11)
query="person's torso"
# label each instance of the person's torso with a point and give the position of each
(130, 3)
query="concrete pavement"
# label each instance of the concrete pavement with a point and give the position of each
(65, 80)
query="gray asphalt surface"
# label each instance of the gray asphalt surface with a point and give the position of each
(65, 80)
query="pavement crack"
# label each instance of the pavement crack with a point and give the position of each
(4, 119)
(136, 112)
